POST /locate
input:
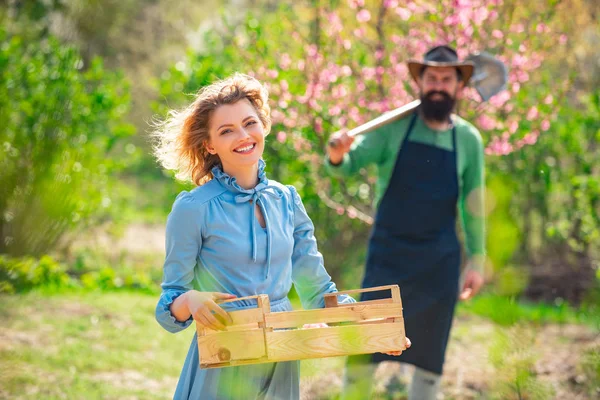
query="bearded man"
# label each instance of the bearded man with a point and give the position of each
(430, 167)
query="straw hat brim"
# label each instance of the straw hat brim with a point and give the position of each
(466, 67)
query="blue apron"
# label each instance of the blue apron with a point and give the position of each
(414, 244)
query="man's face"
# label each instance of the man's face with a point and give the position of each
(439, 87)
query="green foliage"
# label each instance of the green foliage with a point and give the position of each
(590, 367)
(554, 203)
(23, 274)
(508, 311)
(512, 356)
(88, 271)
(503, 234)
(62, 139)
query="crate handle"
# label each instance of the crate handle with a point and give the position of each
(331, 299)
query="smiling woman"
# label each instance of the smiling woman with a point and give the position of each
(214, 249)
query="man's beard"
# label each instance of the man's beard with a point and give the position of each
(437, 110)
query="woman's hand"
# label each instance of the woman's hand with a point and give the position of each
(204, 309)
(397, 353)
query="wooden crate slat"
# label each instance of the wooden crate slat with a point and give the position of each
(356, 312)
(371, 302)
(337, 341)
(228, 346)
(259, 336)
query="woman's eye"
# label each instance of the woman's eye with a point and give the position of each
(224, 131)
(251, 123)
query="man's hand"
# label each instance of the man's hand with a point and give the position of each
(407, 344)
(473, 282)
(339, 144)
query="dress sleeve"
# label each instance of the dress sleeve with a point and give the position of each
(472, 207)
(308, 272)
(182, 244)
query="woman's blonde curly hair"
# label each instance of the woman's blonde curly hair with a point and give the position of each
(180, 139)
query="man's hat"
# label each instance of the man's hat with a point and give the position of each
(441, 56)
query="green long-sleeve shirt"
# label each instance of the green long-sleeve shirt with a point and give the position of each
(381, 147)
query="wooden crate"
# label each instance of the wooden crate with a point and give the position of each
(258, 335)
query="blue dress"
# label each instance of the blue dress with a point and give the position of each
(214, 243)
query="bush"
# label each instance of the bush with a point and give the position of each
(62, 126)
(22, 274)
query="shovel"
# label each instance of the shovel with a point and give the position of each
(489, 78)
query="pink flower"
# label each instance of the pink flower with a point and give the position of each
(549, 99)
(390, 3)
(518, 28)
(356, 3)
(562, 39)
(497, 34)
(500, 98)
(282, 104)
(545, 125)
(283, 84)
(485, 122)
(340, 210)
(481, 14)
(277, 116)
(289, 123)
(346, 70)
(532, 113)
(335, 110)
(363, 15)
(368, 73)
(513, 126)
(531, 138)
(396, 39)
(318, 125)
(339, 92)
(451, 20)
(281, 136)
(285, 61)
(359, 32)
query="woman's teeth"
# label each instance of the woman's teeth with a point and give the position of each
(245, 149)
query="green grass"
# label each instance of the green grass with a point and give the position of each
(107, 345)
(507, 311)
(87, 345)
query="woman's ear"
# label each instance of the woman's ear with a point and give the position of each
(209, 148)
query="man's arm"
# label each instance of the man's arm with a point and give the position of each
(347, 156)
(472, 211)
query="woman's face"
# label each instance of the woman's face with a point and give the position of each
(237, 136)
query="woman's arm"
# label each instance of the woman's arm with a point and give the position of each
(182, 244)
(308, 272)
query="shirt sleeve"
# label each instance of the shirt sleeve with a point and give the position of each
(367, 149)
(472, 204)
(309, 276)
(182, 244)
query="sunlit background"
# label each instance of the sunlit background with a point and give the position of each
(83, 203)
